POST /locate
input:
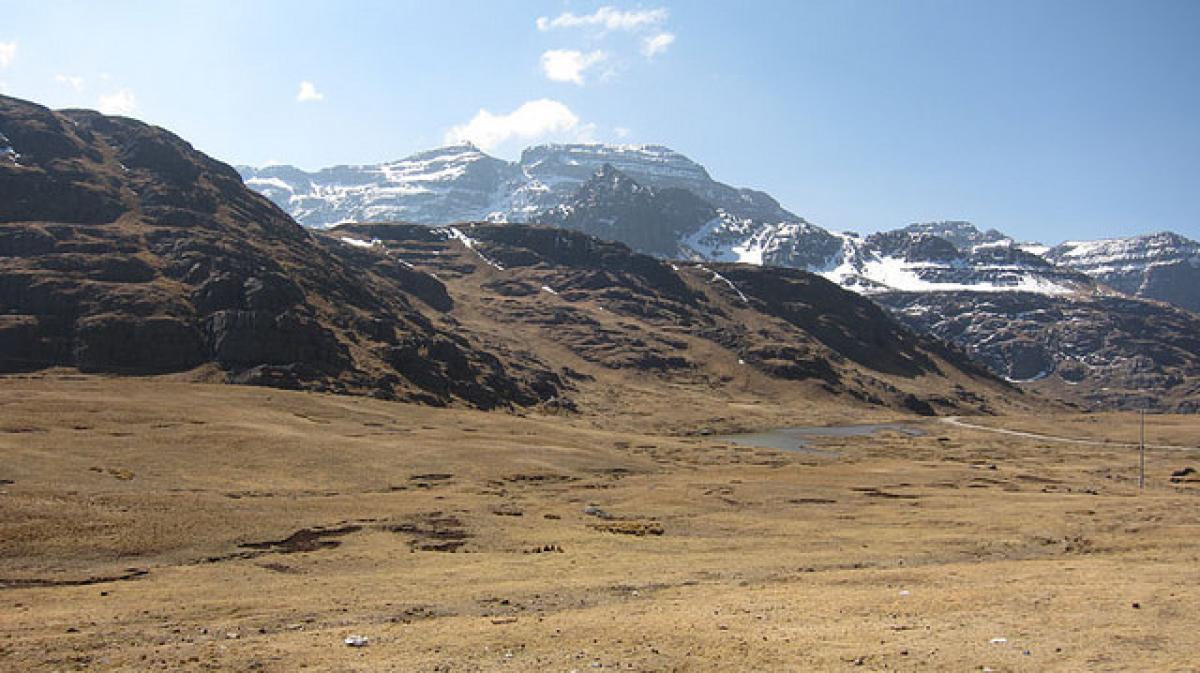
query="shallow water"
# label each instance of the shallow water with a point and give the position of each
(799, 439)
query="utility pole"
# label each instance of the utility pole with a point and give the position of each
(1142, 458)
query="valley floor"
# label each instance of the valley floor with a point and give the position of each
(151, 524)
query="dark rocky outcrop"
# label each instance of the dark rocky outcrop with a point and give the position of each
(123, 249)
(1105, 352)
(611, 206)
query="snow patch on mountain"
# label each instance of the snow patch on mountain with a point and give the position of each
(867, 271)
(470, 243)
(359, 243)
(1038, 249)
(718, 277)
(7, 151)
(727, 238)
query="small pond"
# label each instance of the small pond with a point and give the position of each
(799, 439)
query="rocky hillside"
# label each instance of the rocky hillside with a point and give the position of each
(648, 219)
(1025, 317)
(122, 249)
(1104, 352)
(606, 311)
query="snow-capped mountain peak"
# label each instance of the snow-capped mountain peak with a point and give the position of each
(961, 234)
(1162, 265)
(1114, 254)
(460, 182)
(660, 201)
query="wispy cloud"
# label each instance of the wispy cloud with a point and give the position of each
(121, 102)
(308, 93)
(646, 25)
(74, 81)
(657, 44)
(568, 65)
(534, 120)
(8, 53)
(606, 19)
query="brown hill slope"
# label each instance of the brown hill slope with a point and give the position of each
(605, 313)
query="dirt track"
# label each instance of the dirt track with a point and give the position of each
(958, 422)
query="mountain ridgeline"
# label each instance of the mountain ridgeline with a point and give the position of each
(662, 203)
(1088, 321)
(460, 183)
(125, 250)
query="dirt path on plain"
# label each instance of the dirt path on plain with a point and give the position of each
(958, 422)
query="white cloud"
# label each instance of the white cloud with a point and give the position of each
(8, 53)
(657, 44)
(622, 132)
(308, 93)
(73, 81)
(121, 102)
(605, 18)
(533, 120)
(568, 65)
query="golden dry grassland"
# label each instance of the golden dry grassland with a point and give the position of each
(154, 524)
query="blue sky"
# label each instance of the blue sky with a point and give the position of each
(1048, 119)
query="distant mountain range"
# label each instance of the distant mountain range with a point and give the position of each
(1081, 319)
(660, 202)
(460, 183)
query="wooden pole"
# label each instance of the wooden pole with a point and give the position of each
(1142, 455)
